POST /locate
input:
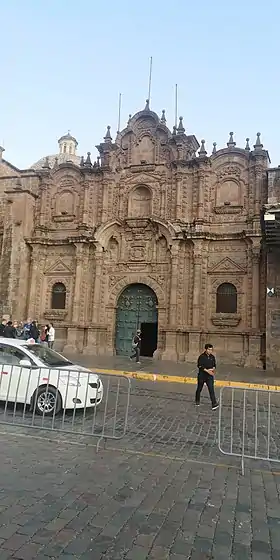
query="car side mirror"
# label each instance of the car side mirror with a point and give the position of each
(25, 363)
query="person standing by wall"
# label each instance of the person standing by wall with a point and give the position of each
(206, 370)
(51, 336)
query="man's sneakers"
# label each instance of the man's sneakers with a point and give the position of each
(213, 407)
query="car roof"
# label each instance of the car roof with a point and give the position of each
(12, 341)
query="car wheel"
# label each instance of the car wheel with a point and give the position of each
(48, 401)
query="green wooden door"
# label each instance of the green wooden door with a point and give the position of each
(137, 304)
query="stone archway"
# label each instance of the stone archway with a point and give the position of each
(137, 308)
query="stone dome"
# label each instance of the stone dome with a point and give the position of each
(67, 153)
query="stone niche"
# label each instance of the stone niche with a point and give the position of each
(140, 202)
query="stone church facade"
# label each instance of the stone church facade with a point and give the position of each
(156, 234)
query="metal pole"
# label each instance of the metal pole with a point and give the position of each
(243, 433)
(119, 113)
(150, 79)
(176, 105)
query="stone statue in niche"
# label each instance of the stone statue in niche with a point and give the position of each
(65, 204)
(144, 151)
(162, 250)
(140, 203)
(113, 250)
(228, 194)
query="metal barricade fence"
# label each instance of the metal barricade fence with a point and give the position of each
(249, 424)
(75, 402)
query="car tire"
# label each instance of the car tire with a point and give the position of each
(48, 401)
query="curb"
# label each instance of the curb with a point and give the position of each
(143, 376)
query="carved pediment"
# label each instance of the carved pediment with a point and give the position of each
(59, 268)
(228, 266)
(143, 178)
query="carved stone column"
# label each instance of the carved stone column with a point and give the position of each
(170, 352)
(93, 346)
(194, 336)
(85, 218)
(254, 357)
(34, 281)
(255, 259)
(79, 297)
(197, 284)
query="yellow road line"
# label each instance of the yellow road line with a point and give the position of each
(145, 376)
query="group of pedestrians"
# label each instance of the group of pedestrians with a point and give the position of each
(28, 330)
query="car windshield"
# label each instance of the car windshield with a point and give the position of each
(49, 357)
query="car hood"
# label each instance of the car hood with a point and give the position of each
(82, 372)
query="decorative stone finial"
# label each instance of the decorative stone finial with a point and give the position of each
(129, 119)
(147, 106)
(180, 129)
(231, 142)
(98, 161)
(163, 118)
(174, 131)
(46, 164)
(55, 162)
(214, 151)
(202, 152)
(82, 162)
(247, 147)
(258, 145)
(107, 137)
(88, 160)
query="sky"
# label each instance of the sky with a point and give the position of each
(64, 63)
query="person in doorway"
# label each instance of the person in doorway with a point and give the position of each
(136, 347)
(51, 336)
(206, 371)
(2, 327)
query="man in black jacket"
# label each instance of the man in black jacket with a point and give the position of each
(2, 327)
(206, 370)
(10, 331)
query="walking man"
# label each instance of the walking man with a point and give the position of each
(206, 370)
(136, 347)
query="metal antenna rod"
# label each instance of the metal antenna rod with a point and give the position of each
(150, 79)
(119, 113)
(176, 105)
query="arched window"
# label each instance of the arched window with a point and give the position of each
(226, 298)
(58, 296)
(64, 148)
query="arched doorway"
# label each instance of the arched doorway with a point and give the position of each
(137, 309)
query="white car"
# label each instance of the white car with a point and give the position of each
(35, 375)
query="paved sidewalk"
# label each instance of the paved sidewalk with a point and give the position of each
(230, 373)
(64, 501)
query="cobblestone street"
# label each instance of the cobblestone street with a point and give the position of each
(75, 504)
(162, 492)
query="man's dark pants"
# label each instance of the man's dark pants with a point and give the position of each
(202, 378)
(136, 354)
